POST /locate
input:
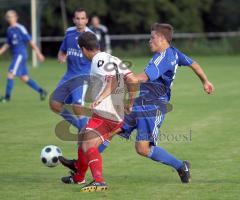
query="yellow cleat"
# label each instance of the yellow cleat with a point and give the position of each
(94, 187)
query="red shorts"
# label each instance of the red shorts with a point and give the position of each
(102, 126)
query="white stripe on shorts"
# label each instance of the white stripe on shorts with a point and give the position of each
(157, 122)
(85, 86)
(17, 63)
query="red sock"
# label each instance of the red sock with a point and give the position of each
(81, 165)
(95, 163)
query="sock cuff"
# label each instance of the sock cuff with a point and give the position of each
(151, 152)
(29, 80)
(106, 142)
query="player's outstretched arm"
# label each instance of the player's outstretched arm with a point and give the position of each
(40, 56)
(4, 48)
(142, 77)
(207, 85)
(132, 85)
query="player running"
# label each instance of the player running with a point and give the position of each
(17, 38)
(107, 78)
(71, 88)
(155, 91)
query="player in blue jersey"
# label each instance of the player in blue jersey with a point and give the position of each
(155, 91)
(151, 106)
(17, 39)
(71, 88)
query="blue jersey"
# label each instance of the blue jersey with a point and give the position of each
(17, 38)
(77, 64)
(161, 71)
(71, 29)
(150, 108)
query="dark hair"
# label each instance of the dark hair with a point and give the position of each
(89, 41)
(81, 10)
(165, 29)
(94, 15)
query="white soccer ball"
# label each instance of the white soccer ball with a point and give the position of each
(49, 155)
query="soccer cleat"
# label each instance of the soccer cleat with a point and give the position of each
(184, 172)
(43, 95)
(68, 163)
(94, 187)
(70, 180)
(4, 99)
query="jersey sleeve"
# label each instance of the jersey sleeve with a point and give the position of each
(157, 67)
(26, 36)
(184, 60)
(63, 46)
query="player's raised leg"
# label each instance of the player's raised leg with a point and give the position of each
(148, 131)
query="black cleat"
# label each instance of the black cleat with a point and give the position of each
(68, 163)
(94, 187)
(184, 172)
(4, 99)
(70, 180)
(43, 95)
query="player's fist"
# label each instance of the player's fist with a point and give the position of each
(96, 103)
(41, 57)
(208, 87)
(62, 58)
(128, 106)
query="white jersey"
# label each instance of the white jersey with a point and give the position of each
(103, 66)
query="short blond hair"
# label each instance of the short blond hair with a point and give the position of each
(11, 12)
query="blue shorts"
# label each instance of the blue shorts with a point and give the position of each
(147, 119)
(18, 66)
(70, 92)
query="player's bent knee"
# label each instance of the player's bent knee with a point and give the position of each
(142, 148)
(24, 78)
(90, 139)
(77, 109)
(143, 151)
(55, 106)
(10, 75)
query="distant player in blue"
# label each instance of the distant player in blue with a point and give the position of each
(17, 39)
(155, 91)
(71, 88)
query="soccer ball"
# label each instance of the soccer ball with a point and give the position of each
(49, 155)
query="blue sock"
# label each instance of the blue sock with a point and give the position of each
(79, 123)
(9, 88)
(160, 155)
(103, 146)
(34, 85)
(82, 121)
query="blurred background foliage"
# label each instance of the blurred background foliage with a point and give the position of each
(136, 17)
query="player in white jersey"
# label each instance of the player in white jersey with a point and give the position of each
(107, 79)
(105, 67)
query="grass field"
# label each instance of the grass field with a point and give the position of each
(27, 125)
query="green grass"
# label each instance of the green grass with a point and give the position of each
(27, 125)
